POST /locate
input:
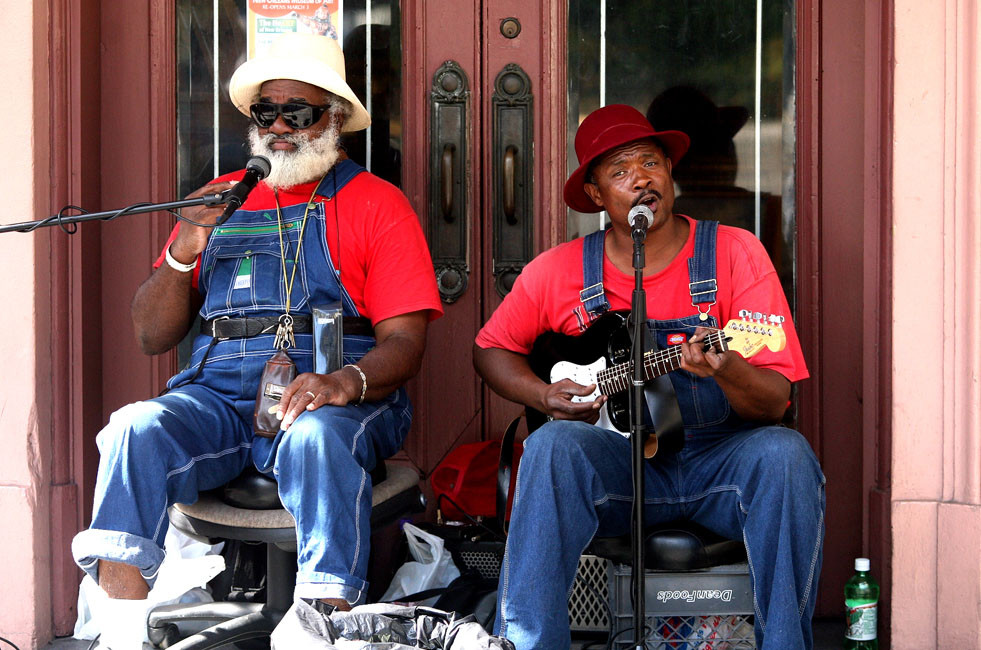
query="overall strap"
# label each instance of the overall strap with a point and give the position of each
(592, 295)
(701, 267)
(340, 175)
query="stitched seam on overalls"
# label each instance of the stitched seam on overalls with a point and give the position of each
(364, 424)
(506, 564)
(810, 573)
(189, 465)
(357, 517)
(752, 572)
(357, 524)
(255, 353)
(720, 488)
(647, 500)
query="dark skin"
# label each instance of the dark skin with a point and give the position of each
(165, 305)
(638, 172)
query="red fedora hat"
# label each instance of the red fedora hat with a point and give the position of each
(606, 129)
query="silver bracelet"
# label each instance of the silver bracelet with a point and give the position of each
(364, 381)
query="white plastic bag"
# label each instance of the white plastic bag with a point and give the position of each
(187, 567)
(381, 626)
(433, 566)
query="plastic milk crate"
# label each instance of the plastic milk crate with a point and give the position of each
(708, 609)
(590, 592)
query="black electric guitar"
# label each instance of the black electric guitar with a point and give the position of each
(601, 356)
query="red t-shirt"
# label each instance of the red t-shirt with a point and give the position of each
(545, 297)
(385, 263)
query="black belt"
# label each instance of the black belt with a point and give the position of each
(247, 327)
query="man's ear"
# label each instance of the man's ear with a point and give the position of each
(592, 191)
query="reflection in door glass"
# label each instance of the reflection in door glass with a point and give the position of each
(721, 71)
(211, 43)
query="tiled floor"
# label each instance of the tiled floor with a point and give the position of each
(828, 634)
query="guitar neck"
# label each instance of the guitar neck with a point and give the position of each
(616, 379)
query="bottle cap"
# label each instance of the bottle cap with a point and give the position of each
(862, 564)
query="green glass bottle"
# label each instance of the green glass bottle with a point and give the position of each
(861, 602)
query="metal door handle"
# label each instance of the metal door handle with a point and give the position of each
(513, 204)
(509, 180)
(446, 182)
(448, 157)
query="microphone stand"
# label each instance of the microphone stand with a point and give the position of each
(139, 208)
(638, 433)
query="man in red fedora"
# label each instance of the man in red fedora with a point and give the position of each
(738, 472)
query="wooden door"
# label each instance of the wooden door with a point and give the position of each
(494, 69)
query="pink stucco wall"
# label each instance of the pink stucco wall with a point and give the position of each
(936, 198)
(24, 572)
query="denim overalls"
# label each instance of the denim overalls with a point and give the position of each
(759, 484)
(199, 435)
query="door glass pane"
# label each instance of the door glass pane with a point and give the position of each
(211, 44)
(720, 70)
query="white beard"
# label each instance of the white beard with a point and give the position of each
(311, 159)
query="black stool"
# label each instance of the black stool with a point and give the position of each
(220, 515)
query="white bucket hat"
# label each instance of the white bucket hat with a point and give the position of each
(316, 60)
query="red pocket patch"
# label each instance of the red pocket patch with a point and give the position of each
(676, 339)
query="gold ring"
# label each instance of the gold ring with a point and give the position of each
(312, 396)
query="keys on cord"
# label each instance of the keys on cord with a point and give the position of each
(284, 333)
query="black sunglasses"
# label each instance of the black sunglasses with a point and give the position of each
(297, 115)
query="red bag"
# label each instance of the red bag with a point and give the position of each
(466, 480)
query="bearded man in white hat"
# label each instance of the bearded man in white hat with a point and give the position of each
(319, 230)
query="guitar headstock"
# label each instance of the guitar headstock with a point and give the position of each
(749, 336)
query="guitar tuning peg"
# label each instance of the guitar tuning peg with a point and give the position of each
(757, 315)
(776, 320)
(744, 313)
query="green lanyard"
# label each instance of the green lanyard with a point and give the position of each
(284, 333)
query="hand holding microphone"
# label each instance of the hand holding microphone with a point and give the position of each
(190, 240)
(256, 169)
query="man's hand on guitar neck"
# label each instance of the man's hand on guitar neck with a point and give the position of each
(509, 375)
(757, 394)
(699, 361)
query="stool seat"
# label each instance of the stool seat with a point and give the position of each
(206, 626)
(210, 518)
(678, 546)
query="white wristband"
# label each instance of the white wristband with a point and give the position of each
(177, 266)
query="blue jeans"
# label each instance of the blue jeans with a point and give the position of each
(762, 485)
(164, 450)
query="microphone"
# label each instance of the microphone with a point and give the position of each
(256, 169)
(641, 218)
